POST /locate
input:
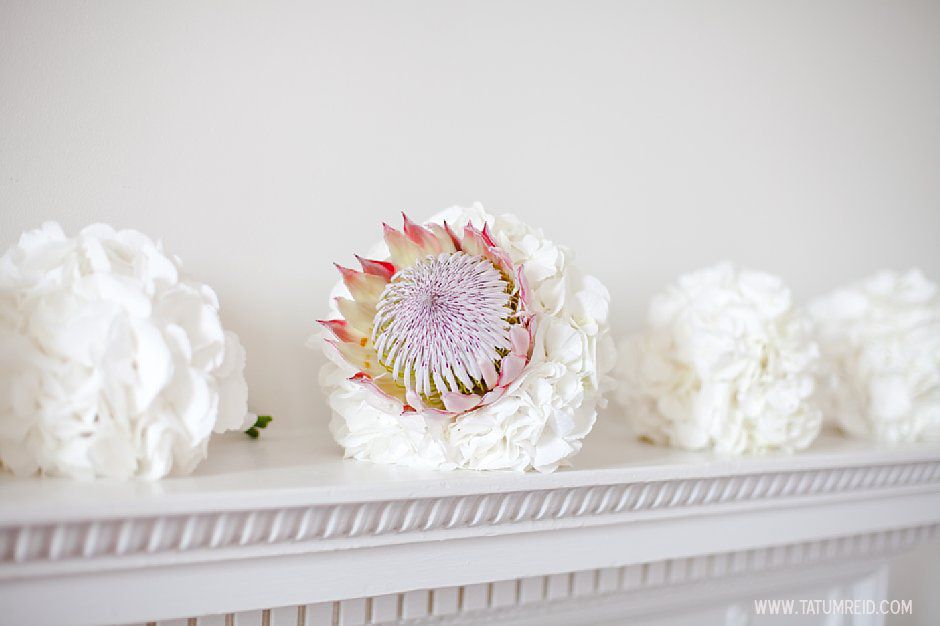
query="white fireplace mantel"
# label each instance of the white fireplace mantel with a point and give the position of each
(283, 531)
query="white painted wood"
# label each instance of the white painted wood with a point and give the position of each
(608, 579)
(474, 597)
(352, 612)
(531, 590)
(632, 576)
(310, 539)
(503, 593)
(301, 469)
(416, 604)
(318, 614)
(445, 601)
(283, 616)
(722, 599)
(248, 618)
(386, 608)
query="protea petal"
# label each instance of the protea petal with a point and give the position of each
(403, 250)
(459, 402)
(510, 368)
(519, 337)
(501, 260)
(488, 235)
(358, 315)
(523, 286)
(492, 396)
(342, 331)
(365, 288)
(382, 385)
(414, 400)
(444, 237)
(362, 358)
(490, 375)
(439, 416)
(473, 243)
(421, 236)
(377, 268)
(453, 236)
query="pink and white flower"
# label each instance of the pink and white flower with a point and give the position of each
(469, 341)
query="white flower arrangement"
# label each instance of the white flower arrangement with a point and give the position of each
(880, 341)
(470, 342)
(726, 363)
(112, 362)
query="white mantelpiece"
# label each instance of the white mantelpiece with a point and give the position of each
(283, 531)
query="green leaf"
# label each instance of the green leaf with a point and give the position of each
(261, 423)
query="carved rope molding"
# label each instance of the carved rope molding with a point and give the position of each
(196, 531)
(471, 604)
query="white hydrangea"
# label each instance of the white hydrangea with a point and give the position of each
(880, 341)
(725, 362)
(543, 415)
(112, 363)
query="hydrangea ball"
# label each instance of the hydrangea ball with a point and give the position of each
(880, 340)
(725, 362)
(113, 363)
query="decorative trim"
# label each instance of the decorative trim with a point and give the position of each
(183, 533)
(470, 604)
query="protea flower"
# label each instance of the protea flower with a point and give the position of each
(469, 341)
(441, 326)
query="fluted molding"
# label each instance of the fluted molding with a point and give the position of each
(573, 591)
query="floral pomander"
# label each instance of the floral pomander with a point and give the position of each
(725, 362)
(113, 363)
(470, 341)
(880, 340)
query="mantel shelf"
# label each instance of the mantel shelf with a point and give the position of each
(304, 467)
(289, 508)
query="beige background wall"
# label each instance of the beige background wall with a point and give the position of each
(264, 140)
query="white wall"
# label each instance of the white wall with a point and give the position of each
(654, 137)
(265, 142)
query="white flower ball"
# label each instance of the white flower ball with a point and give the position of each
(725, 362)
(538, 417)
(880, 342)
(112, 362)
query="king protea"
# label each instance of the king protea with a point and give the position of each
(467, 341)
(442, 325)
